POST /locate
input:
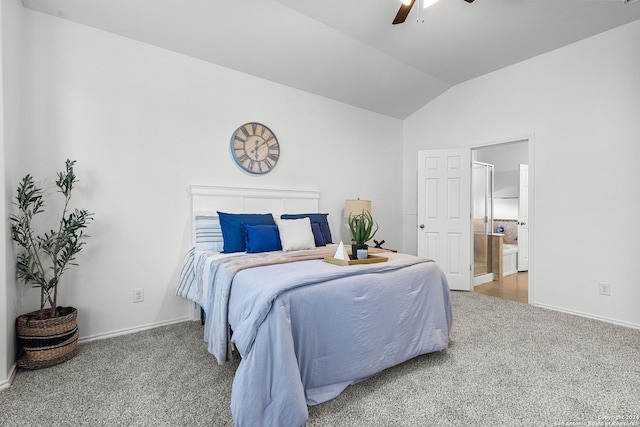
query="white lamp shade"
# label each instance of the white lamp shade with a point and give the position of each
(356, 207)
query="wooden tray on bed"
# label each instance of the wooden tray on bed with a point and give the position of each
(371, 259)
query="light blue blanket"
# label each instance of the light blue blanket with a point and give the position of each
(206, 278)
(307, 330)
(194, 280)
(218, 272)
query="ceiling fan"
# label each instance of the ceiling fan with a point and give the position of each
(406, 6)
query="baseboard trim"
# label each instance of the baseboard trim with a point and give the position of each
(12, 375)
(133, 330)
(590, 316)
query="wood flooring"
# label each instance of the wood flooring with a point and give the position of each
(514, 287)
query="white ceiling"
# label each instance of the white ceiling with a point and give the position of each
(348, 50)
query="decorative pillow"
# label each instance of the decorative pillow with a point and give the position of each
(208, 234)
(262, 238)
(317, 234)
(231, 225)
(320, 218)
(296, 234)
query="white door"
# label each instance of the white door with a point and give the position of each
(523, 219)
(444, 213)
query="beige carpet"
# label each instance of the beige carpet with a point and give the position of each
(509, 364)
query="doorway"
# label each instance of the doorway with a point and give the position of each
(444, 216)
(504, 230)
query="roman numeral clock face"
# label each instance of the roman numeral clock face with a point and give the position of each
(255, 148)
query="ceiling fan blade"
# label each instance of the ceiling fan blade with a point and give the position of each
(469, 1)
(404, 12)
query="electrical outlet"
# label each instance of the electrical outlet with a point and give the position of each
(138, 295)
(604, 288)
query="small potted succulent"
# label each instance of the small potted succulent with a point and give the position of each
(50, 335)
(361, 227)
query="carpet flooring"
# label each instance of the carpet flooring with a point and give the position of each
(509, 364)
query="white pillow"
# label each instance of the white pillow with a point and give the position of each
(295, 234)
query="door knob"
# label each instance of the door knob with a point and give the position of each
(421, 225)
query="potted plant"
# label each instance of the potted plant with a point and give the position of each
(50, 335)
(361, 227)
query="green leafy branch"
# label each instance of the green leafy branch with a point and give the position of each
(44, 258)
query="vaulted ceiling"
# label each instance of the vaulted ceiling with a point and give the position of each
(348, 50)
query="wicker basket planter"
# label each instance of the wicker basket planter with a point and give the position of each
(47, 342)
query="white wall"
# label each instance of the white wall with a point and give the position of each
(505, 159)
(581, 105)
(10, 38)
(143, 124)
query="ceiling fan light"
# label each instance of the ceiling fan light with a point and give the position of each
(427, 3)
(406, 2)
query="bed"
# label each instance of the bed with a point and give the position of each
(304, 328)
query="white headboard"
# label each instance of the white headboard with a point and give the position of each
(206, 200)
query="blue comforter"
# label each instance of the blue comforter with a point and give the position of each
(307, 330)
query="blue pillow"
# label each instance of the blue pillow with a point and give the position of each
(320, 218)
(231, 225)
(317, 234)
(262, 238)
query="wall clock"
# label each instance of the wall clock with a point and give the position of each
(255, 148)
